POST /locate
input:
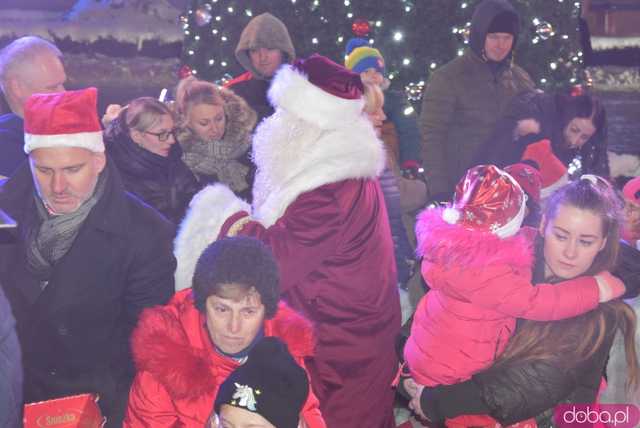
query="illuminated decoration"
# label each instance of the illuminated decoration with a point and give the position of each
(416, 37)
(203, 15)
(413, 91)
(544, 30)
(360, 27)
(184, 71)
(224, 79)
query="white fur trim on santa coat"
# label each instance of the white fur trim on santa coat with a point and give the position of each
(308, 143)
(207, 212)
(84, 140)
(292, 91)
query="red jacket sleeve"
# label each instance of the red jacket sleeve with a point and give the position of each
(303, 237)
(150, 406)
(505, 291)
(311, 409)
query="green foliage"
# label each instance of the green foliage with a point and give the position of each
(426, 26)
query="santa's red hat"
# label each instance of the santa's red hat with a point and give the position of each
(552, 171)
(64, 119)
(487, 199)
(318, 91)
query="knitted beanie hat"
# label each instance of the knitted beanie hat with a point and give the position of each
(359, 56)
(270, 383)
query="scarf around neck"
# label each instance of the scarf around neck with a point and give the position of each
(48, 241)
(218, 158)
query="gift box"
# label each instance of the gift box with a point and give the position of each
(77, 411)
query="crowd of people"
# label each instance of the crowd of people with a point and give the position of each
(241, 256)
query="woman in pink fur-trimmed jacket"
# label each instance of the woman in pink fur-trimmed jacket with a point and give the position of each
(478, 263)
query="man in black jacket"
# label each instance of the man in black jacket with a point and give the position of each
(28, 65)
(88, 257)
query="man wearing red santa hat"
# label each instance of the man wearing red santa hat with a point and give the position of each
(318, 205)
(87, 257)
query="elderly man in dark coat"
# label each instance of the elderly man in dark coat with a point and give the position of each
(88, 257)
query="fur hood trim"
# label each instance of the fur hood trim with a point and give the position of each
(206, 214)
(452, 245)
(292, 91)
(161, 346)
(240, 121)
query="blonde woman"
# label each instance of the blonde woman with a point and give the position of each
(214, 130)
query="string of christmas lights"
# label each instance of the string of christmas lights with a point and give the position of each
(415, 37)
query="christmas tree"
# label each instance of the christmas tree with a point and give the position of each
(415, 36)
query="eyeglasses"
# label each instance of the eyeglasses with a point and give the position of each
(162, 136)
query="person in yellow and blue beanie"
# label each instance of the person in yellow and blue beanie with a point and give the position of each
(402, 195)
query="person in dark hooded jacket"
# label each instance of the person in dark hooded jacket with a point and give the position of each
(263, 47)
(141, 143)
(464, 99)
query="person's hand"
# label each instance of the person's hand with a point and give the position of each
(610, 287)
(526, 127)
(113, 110)
(410, 386)
(415, 405)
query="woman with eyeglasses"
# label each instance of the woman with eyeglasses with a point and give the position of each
(141, 143)
(215, 134)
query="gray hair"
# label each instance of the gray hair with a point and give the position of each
(21, 52)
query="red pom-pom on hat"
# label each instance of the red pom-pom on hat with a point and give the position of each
(63, 119)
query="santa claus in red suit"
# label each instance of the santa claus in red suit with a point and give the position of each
(317, 203)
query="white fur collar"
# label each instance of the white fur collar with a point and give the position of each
(313, 139)
(291, 91)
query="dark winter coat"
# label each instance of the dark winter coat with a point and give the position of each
(254, 92)
(406, 126)
(11, 143)
(462, 103)
(401, 246)
(520, 389)
(500, 149)
(165, 183)
(10, 368)
(75, 333)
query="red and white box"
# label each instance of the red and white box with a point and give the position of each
(77, 411)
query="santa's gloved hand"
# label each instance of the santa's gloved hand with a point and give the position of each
(610, 287)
